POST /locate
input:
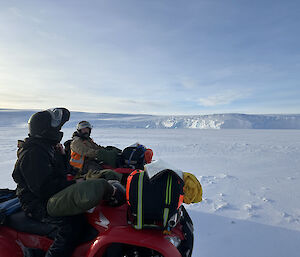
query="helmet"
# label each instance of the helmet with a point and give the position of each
(47, 124)
(83, 124)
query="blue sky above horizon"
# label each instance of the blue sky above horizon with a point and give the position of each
(155, 57)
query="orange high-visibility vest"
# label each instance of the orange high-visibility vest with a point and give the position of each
(76, 160)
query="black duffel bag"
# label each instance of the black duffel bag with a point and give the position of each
(153, 201)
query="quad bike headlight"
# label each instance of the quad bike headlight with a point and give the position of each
(174, 240)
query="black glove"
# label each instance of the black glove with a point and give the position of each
(119, 196)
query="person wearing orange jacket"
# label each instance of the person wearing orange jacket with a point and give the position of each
(87, 156)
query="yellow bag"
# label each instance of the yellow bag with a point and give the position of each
(192, 189)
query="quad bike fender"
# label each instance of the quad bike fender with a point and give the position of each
(151, 239)
(9, 247)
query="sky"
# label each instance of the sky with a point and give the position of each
(152, 57)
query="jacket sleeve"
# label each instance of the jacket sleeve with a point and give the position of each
(85, 148)
(39, 175)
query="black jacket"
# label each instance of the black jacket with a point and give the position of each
(39, 173)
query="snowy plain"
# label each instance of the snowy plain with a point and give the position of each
(250, 179)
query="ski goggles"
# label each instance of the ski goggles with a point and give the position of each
(59, 116)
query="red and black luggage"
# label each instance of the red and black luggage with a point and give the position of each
(153, 201)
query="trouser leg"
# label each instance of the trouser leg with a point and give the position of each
(67, 238)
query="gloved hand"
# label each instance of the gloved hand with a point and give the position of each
(119, 195)
(93, 174)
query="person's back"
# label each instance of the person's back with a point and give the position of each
(39, 174)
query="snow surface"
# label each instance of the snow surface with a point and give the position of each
(250, 179)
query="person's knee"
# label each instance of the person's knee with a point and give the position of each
(73, 224)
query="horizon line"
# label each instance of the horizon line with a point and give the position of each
(146, 114)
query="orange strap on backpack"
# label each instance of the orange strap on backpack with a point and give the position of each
(128, 184)
(180, 201)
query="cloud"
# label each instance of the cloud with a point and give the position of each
(17, 12)
(223, 98)
(188, 83)
(134, 61)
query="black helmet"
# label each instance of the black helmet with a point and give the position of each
(47, 124)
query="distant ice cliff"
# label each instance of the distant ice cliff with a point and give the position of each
(19, 118)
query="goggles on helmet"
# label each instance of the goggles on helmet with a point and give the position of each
(59, 116)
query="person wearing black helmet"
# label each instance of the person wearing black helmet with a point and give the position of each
(39, 175)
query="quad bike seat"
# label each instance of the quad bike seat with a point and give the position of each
(20, 222)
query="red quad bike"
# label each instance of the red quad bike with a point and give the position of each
(108, 234)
